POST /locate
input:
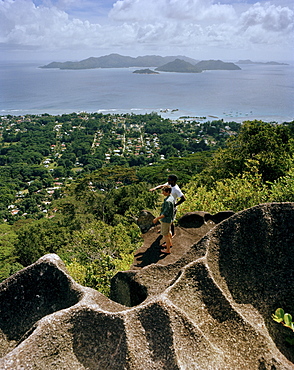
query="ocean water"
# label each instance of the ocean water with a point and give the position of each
(254, 92)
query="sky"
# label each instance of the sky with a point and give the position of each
(61, 30)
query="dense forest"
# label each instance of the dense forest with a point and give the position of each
(74, 184)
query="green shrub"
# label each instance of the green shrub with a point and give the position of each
(8, 257)
(98, 252)
(286, 320)
(233, 194)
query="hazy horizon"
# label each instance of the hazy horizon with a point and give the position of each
(42, 62)
(229, 30)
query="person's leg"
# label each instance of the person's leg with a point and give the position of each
(165, 228)
(162, 232)
(172, 229)
(172, 224)
(168, 239)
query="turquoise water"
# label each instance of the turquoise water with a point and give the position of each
(256, 91)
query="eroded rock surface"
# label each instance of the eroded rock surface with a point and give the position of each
(208, 305)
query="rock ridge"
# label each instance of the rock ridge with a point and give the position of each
(207, 307)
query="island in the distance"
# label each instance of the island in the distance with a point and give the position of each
(248, 61)
(146, 72)
(118, 61)
(182, 66)
(179, 64)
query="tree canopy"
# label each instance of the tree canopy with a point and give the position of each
(74, 184)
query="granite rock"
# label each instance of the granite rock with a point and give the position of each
(208, 307)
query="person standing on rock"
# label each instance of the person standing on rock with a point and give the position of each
(176, 193)
(166, 218)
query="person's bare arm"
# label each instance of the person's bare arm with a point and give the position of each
(157, 187)
(181, 200)
(156, 219)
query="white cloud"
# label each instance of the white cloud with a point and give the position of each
(139, 25)
(141, 10)
(268, 25)
(269, 17)
(24, 23)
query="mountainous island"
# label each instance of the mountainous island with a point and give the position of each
(118, 61)
(206, 65)
(248, 61)
(179, 64)
(182, 66)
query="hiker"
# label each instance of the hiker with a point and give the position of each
(166, 218)
(176, 193)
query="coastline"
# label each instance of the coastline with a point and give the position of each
(178, 113)
(168, 113)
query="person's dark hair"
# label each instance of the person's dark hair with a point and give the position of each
(173, 177)
(166, 188)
